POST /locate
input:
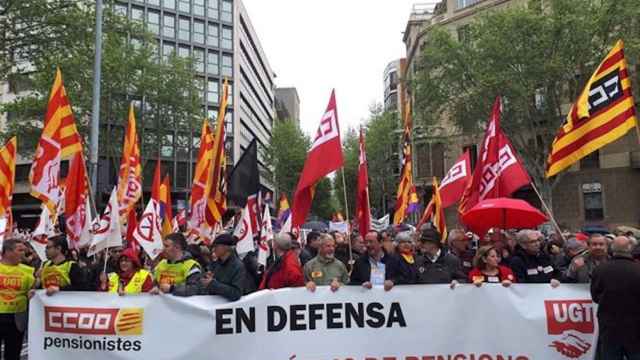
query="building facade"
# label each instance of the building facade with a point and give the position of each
(392, 84)
(288, 104)
(601, 189)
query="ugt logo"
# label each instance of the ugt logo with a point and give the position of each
(572, 324)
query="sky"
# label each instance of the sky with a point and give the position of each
(316, 46)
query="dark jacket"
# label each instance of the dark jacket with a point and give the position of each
(466, 259)
(533, 269)
(253, 271)
(362, 269)
(407, 273)
(285, 272)
(342, 254)
(229, 281)
(615, 286)
(307, 254)
(445, 269)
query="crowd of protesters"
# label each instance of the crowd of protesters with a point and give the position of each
(375, 259)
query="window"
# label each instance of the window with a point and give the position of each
(169, 29)
(198, 54)
(212, 9)
(121, 9)
(199, 84)
(184, 29)
(167, 50)
(227, 65)
(227, 38)
(170, 4)
(213, 34)
(167, 146)
(465, 3)
(213, 91)
(184, 6)
(198, 32)
(137, 14)
(212, 63)
(153, 22)
(591, 161)
(198, 7)
(184, 51)
(227, 11)
(153, 2)
(592, 197)
(136, 43)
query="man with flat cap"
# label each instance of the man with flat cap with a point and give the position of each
(225, 277)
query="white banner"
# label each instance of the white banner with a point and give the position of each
(426, 322)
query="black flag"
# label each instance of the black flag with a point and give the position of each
(244, 179)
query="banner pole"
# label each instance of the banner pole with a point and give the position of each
(544, 204)
(346, 211)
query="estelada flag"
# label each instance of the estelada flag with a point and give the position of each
(324, 157)
(363, 211)
(130, 177)
(59, 140)
(455, 181)
(499, 172)
(201, 182)
(7, 177)
(217, 201)
(603, 113)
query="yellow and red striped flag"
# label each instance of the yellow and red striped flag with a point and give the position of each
(130, 177)
(59, 140)
(435, 212)
(201, 181)
(7, 176)
(217, 200)
(603, 113)
(406, 189)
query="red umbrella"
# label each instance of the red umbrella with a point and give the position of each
(503, 213)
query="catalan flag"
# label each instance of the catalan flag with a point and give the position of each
(405, 187)
(435, 212)
(217, 201)
(130, 177)
(7, 176)
(201, 181)
(59, 140)
(603, 113)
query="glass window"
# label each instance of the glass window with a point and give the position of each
(137, 14)
(198, 31)
(212, 9)
(136, 43)
(465, 3)
(593, 206)
(198, 54)
(170, 4)
(227, 65)
(213, 34)
(167, 50)
(227, 11)
(169, 28)
(184, 51)
(184, 5)
(227, 38)
(213, 91)
(167, 146)
(121, 9)
(153, 2)
(184, 29)
(199, 84)
(153, 22)
(198, 7)
(212, 63)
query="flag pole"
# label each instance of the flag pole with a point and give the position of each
(346, 211)
(544, 204)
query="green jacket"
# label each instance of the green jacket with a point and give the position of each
(322, 271)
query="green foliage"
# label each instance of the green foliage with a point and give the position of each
(350, 151)
(286, 154)
(538, 58)
(324, 204)
(131, 71)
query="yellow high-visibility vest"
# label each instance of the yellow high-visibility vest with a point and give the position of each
(133, 287)
(173, 274)
(56, 275)
(15, 283)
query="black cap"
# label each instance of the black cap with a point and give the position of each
(224, 239)
(430, 235)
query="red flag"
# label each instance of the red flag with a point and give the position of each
(363, 212)
(453, 184)
(132, 223)
(77, 190)
(155, 186)
(324, 157)
(499, 172)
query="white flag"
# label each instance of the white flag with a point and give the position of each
(108, 234)
(244, 233)
(266, 236)
(149, 230)
(340, 226)
(380, 224)
(41, 234)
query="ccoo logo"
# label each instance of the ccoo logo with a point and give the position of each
(570, 322)
(93, 321)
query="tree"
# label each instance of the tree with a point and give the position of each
(286, 154)
(324, 203)
(537, 57)
(351, 151)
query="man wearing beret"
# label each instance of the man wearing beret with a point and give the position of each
(435, 265)
(225, 277)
